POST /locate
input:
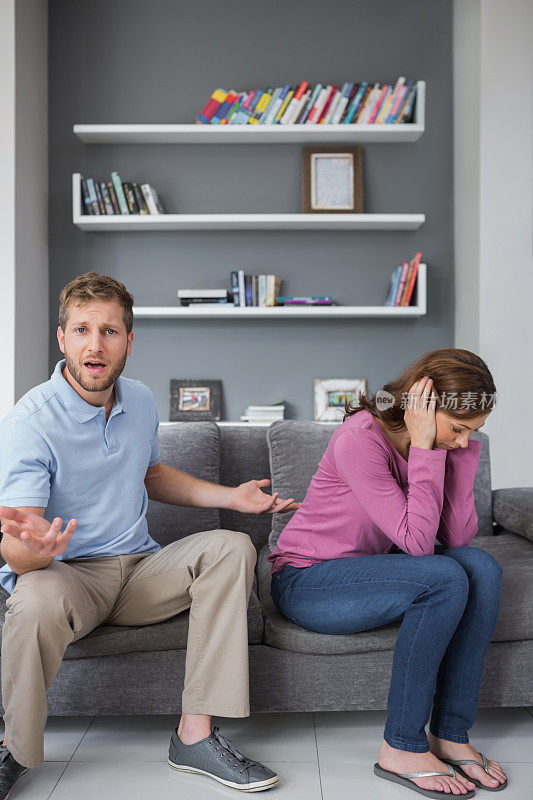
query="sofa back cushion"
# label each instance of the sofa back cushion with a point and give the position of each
(297, 447)
(192, 447)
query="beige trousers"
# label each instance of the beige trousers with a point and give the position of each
(211, 573)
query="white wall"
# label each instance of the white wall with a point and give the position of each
(494, 216)
(24, 182)
(7, 217)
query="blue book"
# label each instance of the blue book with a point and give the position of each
(355, 103)
(268, 110)
(282, 95)
(310, 103)
(346, 92)
(394, 286)
(392, 119)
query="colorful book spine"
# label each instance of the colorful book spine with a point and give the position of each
(224, 108)
(401, 283)
(286, 100)
(209, 110)
(342, 104)
(310, 103)
(316, 111)
(119, 191)
(275, 105)
(235, 286)
(329, 99)
(294, 106)
(113, 196)
(353, 108)
(415, 263)
(261, 106)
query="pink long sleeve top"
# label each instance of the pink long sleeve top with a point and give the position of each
(365, 498)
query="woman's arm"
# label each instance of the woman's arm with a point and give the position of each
(410, 523)
(459, 520)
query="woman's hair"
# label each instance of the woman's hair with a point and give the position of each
(92, 286)
(462, 383)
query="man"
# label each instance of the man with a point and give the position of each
(82, 448)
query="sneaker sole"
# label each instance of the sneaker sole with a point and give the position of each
(243, 787)
(20, 776)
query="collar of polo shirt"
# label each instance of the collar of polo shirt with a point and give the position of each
(76, 405)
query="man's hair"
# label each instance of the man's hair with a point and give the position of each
(92, 286)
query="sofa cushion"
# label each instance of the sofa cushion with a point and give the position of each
(244, 457)
(192, 447)
(515, 619)
(107, 640)
(295, 448)
(295, 451)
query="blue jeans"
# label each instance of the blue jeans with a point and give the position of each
(449, 602)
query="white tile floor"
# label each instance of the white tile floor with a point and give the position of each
(325, 756)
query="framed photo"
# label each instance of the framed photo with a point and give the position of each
(332, 393)
(332, 180)
(195, 399)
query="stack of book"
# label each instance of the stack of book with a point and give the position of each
(210, 297)
(116, 197)
(361, 103)
(305, 300)
(264, 413)
(402, 282)
(254, 290)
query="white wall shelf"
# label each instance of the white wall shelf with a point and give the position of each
(191, 222)
(278, 313)
(257, 134)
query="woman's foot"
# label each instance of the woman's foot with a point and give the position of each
(443, 748)
(402, 761)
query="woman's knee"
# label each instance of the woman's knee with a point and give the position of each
(478, 564)
(448, 576)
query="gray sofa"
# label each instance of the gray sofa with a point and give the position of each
(139, 670)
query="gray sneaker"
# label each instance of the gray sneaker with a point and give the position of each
(219, 759)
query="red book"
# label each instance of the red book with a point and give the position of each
(208, 111)
(328, 102)
(414, 264)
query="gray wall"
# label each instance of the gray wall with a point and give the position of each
(132, 61)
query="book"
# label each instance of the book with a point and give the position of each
(149, 199)
(139, 199)
(86, 197)
(242, 292)
(208, 111)
(99, 198)
(248, 291)
(401, 283)
(119, 191)
(305, 300)
(293, 109)
(130, 198)
(235, 286)
(224, 107)
(204, 301)
(261, 107)
(202, 293)
(412, 278)
(273, 289)
(113, 196)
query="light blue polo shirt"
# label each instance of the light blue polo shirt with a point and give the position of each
(58, 452)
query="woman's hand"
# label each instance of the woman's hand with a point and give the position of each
(420, 414)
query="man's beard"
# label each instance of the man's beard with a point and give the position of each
(97, 383)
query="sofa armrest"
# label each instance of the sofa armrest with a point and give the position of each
(513, 510)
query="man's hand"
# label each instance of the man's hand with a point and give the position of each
(35, 532)
(249, 499)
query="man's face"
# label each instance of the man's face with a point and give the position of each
(95, 344)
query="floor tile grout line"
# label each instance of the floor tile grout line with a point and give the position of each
(88, 728)
(56, 783)
(71, 757)
(318, 758)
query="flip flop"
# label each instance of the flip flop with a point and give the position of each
(477, 783)
(404, 781)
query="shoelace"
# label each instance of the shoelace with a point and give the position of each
(227, 745)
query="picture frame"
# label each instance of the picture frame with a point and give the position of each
(332, 180)
(195, 399)
(331, 394)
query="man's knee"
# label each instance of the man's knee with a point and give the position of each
(237, 544)
(36, 600)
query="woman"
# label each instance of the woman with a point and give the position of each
(360, 552)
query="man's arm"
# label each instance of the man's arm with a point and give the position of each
(15, 554)
(169, 485)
